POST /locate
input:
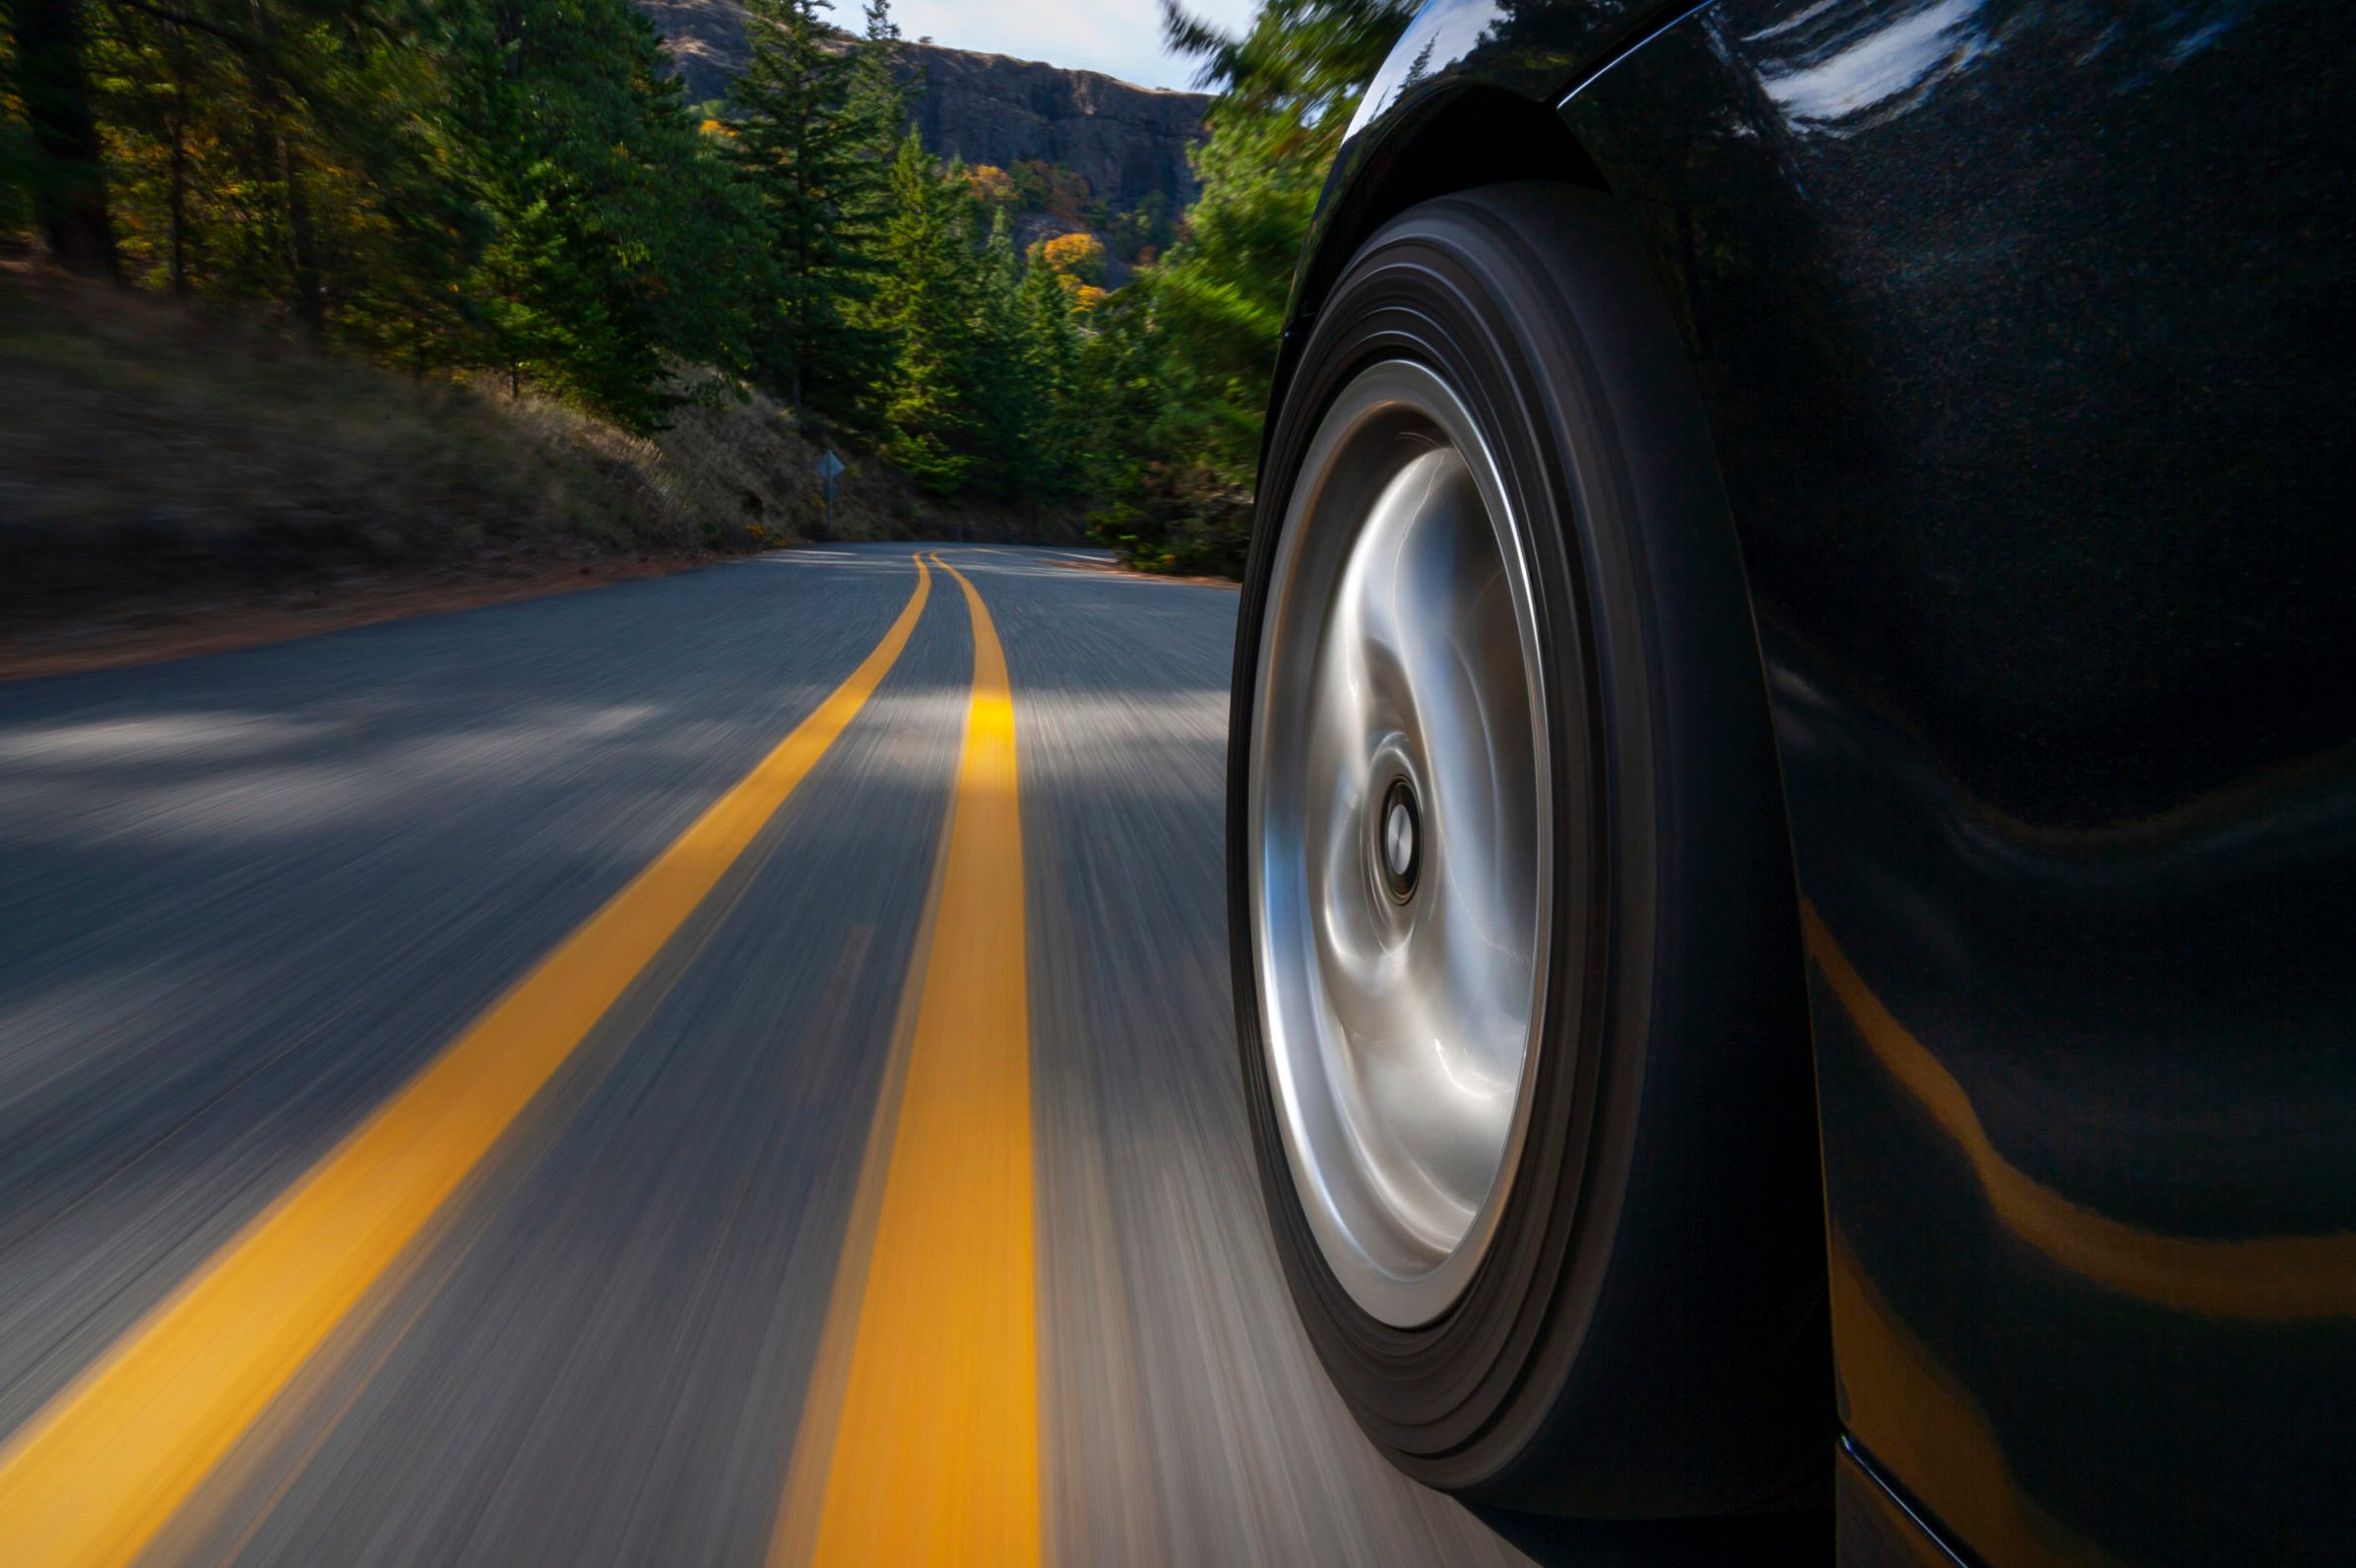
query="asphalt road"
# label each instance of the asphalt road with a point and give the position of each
(727, 1069)
(851, 1195)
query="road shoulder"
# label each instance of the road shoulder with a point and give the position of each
(149, 631)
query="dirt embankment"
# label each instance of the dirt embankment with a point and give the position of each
(174, 480)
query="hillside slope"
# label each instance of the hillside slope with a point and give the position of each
(162, 465)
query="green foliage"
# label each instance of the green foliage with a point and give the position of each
(374, 169)
(294, 151)
(1026, 387)
(927, 302)
(819, 170)
(17, 158)
(875, 104)
(623, 245)
(985, 393)
(1009, 405)
(1048, 345)
(64, 174)
(1199, 345)
(1145, 231)
(518, 188)
(450, 185)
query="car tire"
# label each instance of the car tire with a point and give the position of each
(1630, 1322)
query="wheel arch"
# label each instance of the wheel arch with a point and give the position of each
(1457, 135)
(1455, 138)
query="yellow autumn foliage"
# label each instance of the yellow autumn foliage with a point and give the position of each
(992, 185)
(1072, 256)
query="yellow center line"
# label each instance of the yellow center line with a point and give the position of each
(935, 1456)
(104, 1466)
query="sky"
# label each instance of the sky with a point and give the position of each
(1119, 38)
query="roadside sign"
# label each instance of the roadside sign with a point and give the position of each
(830, 468)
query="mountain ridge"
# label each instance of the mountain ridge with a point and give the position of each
(1129, 142)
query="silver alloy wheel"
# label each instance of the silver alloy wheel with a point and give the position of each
(1401, 855)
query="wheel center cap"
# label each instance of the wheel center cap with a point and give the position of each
(1402, 855)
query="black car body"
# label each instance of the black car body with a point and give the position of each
(2024, 331)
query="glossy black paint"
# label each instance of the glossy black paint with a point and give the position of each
(2023, 329)
(1872, 1524)
(1467, 98)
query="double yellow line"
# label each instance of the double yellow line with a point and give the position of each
(935, 1454)
(93, 1478)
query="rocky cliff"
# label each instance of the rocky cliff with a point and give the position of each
(1128, 141)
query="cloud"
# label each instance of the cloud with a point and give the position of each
(1119, 38)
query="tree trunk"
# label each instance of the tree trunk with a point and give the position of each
(69, 182)
(179, 164)
(302, 243)
(305, 294)
(507, 26)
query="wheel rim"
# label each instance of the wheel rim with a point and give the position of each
(1401, 858)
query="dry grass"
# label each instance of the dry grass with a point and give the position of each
(176, 479)
(147, 448)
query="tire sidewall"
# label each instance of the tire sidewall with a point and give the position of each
(1591, 1363)
(1441, 1398)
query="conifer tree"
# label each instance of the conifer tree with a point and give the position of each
(1051, 344)
(623, 247)
(926, 302)
(47, 46)
(447, 184)
(1201, 338)
(1007, 399)
(795, 136)
(879, 98)
(876, 110)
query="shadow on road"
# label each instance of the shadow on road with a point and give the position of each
(1768, 1541)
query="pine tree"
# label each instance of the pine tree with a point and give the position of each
(926, 302)
(877, 103)
(1190, 356)
(1008, 401)
(794, 137)
(1052, 346)
(157, 83)
(49, 46)
(625, 250)
(875, 109)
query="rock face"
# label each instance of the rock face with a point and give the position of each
(1128, 141)
(707, 41)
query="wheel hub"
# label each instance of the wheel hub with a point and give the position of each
(1401, 862)
(1401, 854)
